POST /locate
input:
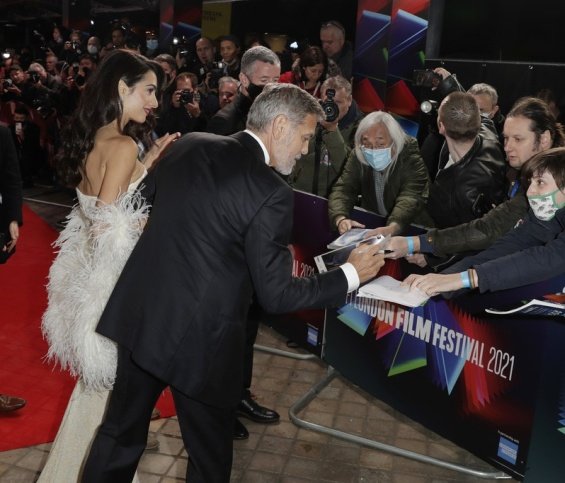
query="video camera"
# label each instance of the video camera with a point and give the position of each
(34, 76)
(181, 46)
(7, 83)
(425, 78)
(216, 70)
(329, 106)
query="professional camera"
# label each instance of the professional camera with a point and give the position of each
(216, 70)
(34, 76)
(7, 83)
(425, 78)
(181, 46)
(80, 80)
(331, 109)
(188, 97)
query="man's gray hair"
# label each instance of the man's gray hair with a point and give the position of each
(394, 130)
(337, 82)
(483, 88)
(227, 80)
(282, 99)
(258, 53)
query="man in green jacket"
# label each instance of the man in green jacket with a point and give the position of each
(336, 142)
(529, 128)
(387, 171)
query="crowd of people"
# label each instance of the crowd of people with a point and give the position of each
(107, 118)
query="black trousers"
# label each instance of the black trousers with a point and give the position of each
(120, 441)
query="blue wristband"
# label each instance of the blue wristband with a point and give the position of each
(410, 242)
(465, 279)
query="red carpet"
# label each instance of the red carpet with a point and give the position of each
(22, 370)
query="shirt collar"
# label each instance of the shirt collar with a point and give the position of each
(265, 152)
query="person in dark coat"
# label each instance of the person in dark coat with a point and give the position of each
(11, 193)
(219, 227)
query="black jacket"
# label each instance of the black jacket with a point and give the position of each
(232, 118)
(469, 188)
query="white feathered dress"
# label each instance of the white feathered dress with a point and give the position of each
(92, 250)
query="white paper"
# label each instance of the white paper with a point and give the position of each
(389, 289)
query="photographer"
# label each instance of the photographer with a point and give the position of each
(26, 136)
(184, 113)
(332, 142)
(14, 87)
(86, 65)
(229, 51)
(72, 48)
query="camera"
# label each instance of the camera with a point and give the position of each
(34, 76)
(331, 109)
(80, 80)
(425, 78)
(188, 97)
(216, 70)
(181, 47)
(7, 83)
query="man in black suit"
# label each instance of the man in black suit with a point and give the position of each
(11, 196)
(219, 228)
(259, 66)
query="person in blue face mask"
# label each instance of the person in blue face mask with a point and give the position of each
(387, 171)
(532, 252)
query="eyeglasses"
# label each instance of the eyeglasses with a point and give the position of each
(334, 24)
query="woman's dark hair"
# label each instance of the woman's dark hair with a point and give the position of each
(551, 160)
(99, 105)
(541, 119)
(313, 55)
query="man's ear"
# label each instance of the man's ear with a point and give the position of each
(243, 79)
(279, 127)
(545, 140)
(440, 127)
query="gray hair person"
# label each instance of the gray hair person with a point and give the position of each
(282, 99)
(258, 53)
(396, 133)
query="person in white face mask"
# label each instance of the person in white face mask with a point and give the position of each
(532, 252)
(387, 171)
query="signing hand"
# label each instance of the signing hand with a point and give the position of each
(158, 148)
(391, 230)
(345, 224)
(367, 261)
(433, 283)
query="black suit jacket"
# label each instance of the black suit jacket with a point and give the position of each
(231, 118)
(219, 227)
(10, 182)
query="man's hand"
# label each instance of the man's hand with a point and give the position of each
(417, 259)
(391, 230)
(345, 224)
(193, 108)
(367, 261)
(329, 126)
(14, 230)
(433, 283)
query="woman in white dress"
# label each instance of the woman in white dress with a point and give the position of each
(100, 158)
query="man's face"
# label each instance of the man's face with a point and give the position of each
(228, 50)
(520, 141)
(17, 76)
(292, 143)
(169, 73)
(342, 99)
(261, 74)
(51, 63)
(204, 51)
(20, 117)
(86, 64)
(486, 106)
(118, 38)
(184, 84)
(226, 92)
(332, 41)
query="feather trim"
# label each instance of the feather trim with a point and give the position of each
(92, 251)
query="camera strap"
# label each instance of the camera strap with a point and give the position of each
(317, 159)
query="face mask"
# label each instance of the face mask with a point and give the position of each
(92, 49)
(254, 90)
(152, 44)
(545, 206)
(378, 159)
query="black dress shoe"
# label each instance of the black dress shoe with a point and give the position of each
(239, 430)
(249, 409)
